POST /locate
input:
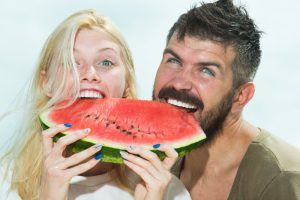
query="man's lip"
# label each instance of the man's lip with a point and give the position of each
(162, 100)
(165, 100)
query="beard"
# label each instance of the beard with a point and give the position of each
(210, 121)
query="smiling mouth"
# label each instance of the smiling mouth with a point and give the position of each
(188, 107)
(91, 94)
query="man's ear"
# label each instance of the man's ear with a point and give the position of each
(242, 96)
(45, 87)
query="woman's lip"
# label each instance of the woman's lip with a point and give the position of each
(93, 90)
(90, 89)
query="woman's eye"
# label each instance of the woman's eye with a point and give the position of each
(208, 72)
(106, 63)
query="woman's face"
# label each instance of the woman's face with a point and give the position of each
(101, 69)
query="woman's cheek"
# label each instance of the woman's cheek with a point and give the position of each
(116, 83)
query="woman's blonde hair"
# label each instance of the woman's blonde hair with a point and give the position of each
(56, 63)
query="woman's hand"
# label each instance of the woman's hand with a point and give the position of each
(155, 173)
(57, 169)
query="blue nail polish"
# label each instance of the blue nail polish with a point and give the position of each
(68, 125)
(155, 146)
(98, 156)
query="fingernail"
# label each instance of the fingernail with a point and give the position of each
(98, 146)
(98, 156)
(87, 130)
(123, 153)
(155, 146)
(68, 125)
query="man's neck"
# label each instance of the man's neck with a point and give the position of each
(221, 156)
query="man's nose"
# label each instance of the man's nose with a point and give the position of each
(183, 81)
(90, 75)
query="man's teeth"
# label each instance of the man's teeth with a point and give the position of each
(90, 94)
(181, 104)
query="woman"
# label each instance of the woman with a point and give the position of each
(85, 57)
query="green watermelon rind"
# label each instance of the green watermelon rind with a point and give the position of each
(111, 152)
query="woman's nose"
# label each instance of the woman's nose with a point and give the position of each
(90, 75)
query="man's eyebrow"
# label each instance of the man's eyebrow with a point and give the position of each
(201, 64)
(209, 64)
(170, 51)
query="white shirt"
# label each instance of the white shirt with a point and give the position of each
(99, 187)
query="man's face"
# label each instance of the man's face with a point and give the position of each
(196, 75)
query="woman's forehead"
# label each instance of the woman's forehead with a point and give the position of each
(95, 40)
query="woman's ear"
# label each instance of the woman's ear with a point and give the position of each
(45, 86)
(243, 95)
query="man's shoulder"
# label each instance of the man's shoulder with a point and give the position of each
(270, 167)
(274, 153)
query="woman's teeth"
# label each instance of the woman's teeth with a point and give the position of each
(181, 104)
(90, 94)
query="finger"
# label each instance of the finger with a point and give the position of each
(140, 191)
(144, 164)
(147, 178)
(72, 137)
(79, 157)
(171, 155)
(49, 133)
(147, 155)
(79, 169)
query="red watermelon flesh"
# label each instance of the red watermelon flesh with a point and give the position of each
(117, 123)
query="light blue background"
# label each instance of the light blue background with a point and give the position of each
(25, 25)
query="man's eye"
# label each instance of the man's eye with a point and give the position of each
(208, 72)
(173, 60)
(106, 63)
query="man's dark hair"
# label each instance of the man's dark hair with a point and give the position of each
(228, 24)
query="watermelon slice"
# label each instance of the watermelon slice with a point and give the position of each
(117, 123)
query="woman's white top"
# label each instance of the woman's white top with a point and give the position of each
(99, 187)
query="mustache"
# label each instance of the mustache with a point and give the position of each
(180, 95)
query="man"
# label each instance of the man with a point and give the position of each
(208, 65)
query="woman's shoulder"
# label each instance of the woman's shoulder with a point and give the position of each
(177, 190)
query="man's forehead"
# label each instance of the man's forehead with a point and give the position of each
(194, 46)
(198, 44)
